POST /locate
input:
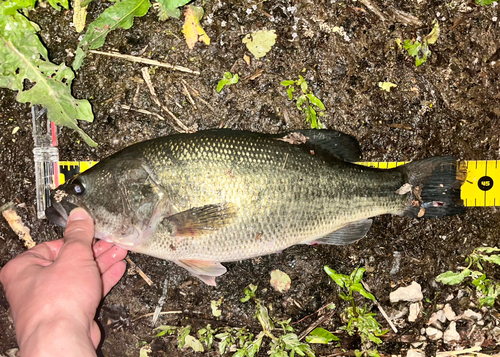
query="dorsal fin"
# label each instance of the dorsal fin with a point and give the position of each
(329, 142)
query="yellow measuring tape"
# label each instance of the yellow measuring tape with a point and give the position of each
(478, 190)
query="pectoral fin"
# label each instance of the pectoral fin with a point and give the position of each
(346, 235)
(204, 270)
(198, 220)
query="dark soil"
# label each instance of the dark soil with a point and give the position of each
(448, 106)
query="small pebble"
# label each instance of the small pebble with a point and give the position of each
(414, 311)
(449, 313)
(415, 353)
(433, 333)
(451, 335)
(469, 314)
(412, 293)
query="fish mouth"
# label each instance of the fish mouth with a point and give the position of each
(58, 212)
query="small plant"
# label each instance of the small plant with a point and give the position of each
(307, 102)
(359, 320)
(227, 80)
(485, 2)
(487, 289)
(206, 335)
(420, 50)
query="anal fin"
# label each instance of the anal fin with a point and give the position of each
(346, 235)
(204, 270)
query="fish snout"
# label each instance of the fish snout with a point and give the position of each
(59, 210)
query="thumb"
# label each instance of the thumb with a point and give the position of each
(79, 232)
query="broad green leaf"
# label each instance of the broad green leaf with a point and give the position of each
(492, 259)
(120, 15)
(287, 83)
(432, 37)
(290, 91)
(301, 100)
(452, 278)
(193, 32)
(386, 86)
(303, 84)
(487, 250)
(25, 58)
(320, 335)
(194, 343)
(280, 281)
(263, 316)
(259, 43)
(357, 275)
(170, 8)
(316, 101)
(339, 279)
(10, 7)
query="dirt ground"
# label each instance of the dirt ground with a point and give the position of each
(450, 105)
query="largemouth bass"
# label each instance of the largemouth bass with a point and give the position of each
(220, 195)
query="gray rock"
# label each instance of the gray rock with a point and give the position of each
(412, 293)
(433, 333)
(451, 335)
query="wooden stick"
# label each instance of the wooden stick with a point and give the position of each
(381, 309)
(141, 273)
(146, 61)
(9, 213)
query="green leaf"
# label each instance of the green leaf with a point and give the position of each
(339, 279)
(170, 8)
(263, 316)
(54, 4)
(320, 335)
(119, 15)
(10, 7)
(228, 79)
(215, 307)
(290, 91)
(303, 84)
(316, 101)
(301, 100)
(487, 250)
(452, 278)
(280, 281)
(357, 275)
(287, 83)
(25, 58)
(360, 289)
(165, 329)
(259, 43)
(492, 259)
(485, 2)
(249, 292)
(194, 343)
(183, 333)
(432, 37)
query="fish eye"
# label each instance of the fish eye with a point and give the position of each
(78, 188)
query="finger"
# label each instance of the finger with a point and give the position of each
(95, 334)
(100, 247)
(109, 257)
(112, 276)
(78, 236)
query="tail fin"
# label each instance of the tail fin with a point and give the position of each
(434, 185)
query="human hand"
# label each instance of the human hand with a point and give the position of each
(54, 290)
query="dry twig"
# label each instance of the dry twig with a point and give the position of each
(146, 61)
(382, 311)
(141, 273)
(9, 213)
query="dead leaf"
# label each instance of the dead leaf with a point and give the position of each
(294, 138)
(247, 59)
(280, 281)
(259, 43)
(192, 28)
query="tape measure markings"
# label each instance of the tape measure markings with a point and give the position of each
(478, 190)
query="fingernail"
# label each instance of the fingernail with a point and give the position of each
(78, 214)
